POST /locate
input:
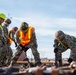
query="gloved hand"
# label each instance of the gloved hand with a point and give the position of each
(55, 50)
(3, 43)
(22, 47)
(70, 60)
(25, 49)
(15, 44)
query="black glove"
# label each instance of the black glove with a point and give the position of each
(70, 60)
(25, 49)
(3, 43)
(55, 50)
(20, 45)
(15, 44)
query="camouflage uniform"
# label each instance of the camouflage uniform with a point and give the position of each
(12, 35)
(9, 52)
(32, 45)
(68, 42)
(2, 41)
(2, 45)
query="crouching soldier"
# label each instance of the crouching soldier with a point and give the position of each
(26, 39)
(62, 43)
(12, 35)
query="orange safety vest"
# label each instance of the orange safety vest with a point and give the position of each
(10, 39)
(25, 39)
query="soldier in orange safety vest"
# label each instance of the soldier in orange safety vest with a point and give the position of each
(26, 39)
(11, 35)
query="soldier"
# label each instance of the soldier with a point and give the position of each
(9, 52)
(26, 39)
(2, 41)
(63, 42)
(11, 35)
(7, 22)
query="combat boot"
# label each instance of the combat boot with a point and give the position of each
(60, 63)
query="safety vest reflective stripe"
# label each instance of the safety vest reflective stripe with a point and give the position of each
(2, 30)
(29, 32)
(62, 44)
(0, 26)
(10, 39)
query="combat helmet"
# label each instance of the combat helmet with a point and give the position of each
(15, 28)
(2, 16)
(8, 21)
(24, 26)
(59, 34)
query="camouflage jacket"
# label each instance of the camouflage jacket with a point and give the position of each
(5, 29)
(69, 42)
(2, 33)
(11, 34)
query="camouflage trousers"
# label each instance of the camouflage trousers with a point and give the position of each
(6, 55)
(2, 55)
(60, 51)
(72, 53)
(34, 52)
(9, 54)
(2, 52)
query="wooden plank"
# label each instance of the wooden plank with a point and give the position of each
(26, 62)
(43, 62)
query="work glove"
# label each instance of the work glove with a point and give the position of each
(15, 44)
(22, 47)
(25, 49)
(55, 50)
(70, 60)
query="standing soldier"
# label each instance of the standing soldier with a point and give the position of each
(62, 43)
(26, 39)
(7, 22)
(12, 35)
(2, 38)
(9, 52)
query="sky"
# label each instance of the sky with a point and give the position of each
(46, 16)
